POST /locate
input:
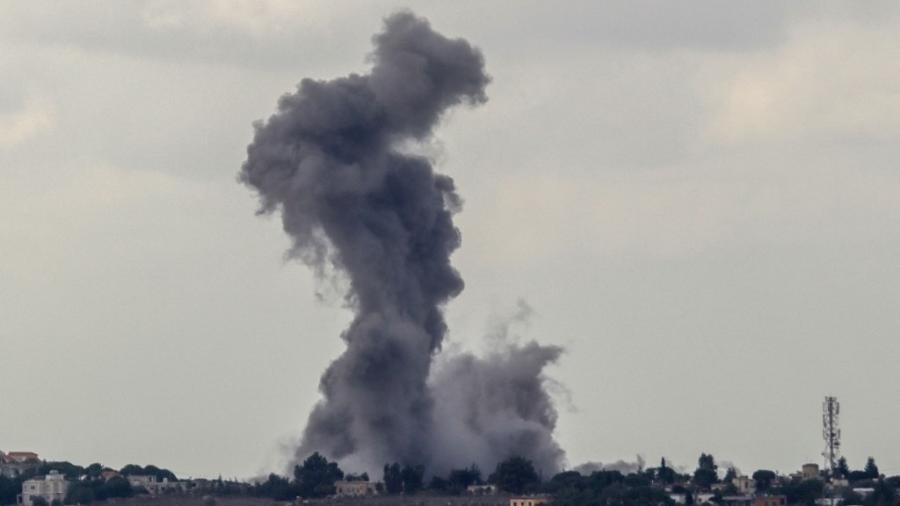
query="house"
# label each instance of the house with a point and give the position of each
(770, 500)
(810, 471)
(704, 498)
(14, 464)
(106, 474)
(737, 500)
(155, 487)
(863, 491)
(678, 498)
(52, 487)
(533, 500)
(481, 489)
(146, 482)
(744, 484)
(355, 488)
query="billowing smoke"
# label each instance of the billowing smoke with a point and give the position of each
(622, 466)
(328, 160)
(497, 405)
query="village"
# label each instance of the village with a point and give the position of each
(513, 483)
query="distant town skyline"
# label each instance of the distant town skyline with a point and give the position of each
(696, 202)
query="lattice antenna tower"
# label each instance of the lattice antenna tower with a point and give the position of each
(831, 432)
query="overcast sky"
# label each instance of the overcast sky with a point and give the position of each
(700, 202)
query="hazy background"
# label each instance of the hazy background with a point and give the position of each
(700, 203)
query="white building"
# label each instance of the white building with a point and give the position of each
(355, 488)
(482, 489)
(744, 484)
(52, 487)
(155, 487)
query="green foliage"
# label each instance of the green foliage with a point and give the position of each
(440, 485)
(883, 495)
(730, 475)
(841, 469)
(316, 476)
(871, 469)
(664, 473)
(463, 478)
(276, 487)
(570, 488)
(393, 479)
(9, 489)
(764, 479)
(412, 478)
(116, 486)
(707, 471)
(621, 495)
(150, 470)
(456, 481)
(515, 475)
(802, 492)
(80, 493)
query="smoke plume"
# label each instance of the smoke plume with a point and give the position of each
(350, 200)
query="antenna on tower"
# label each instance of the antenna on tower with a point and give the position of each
(831, 432)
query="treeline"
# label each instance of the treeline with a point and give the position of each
(88, 482)
(315, 478)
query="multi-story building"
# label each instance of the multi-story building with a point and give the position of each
(52, 487)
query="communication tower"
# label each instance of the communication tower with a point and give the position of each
(831, 432)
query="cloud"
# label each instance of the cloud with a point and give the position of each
(35, 116)
(829, 84)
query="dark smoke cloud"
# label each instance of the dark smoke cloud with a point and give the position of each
(624, 467)
(350, 200)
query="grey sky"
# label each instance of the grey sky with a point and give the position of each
(698, 202)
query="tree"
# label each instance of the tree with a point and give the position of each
(131, 470)
(116, 486)
(80, 493)
(803, 492)
(841, 470)
(412, 478)
(871, 469)
(393, 480)
(707, 471)
(94, 470)
(515, 475)
(316, 476)
(730, 475)
(439, 484)
(463, 478)
(160, 474)
(764, 479)
(9, 489)
(882, 495)
(665, 473)
(276, 487)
